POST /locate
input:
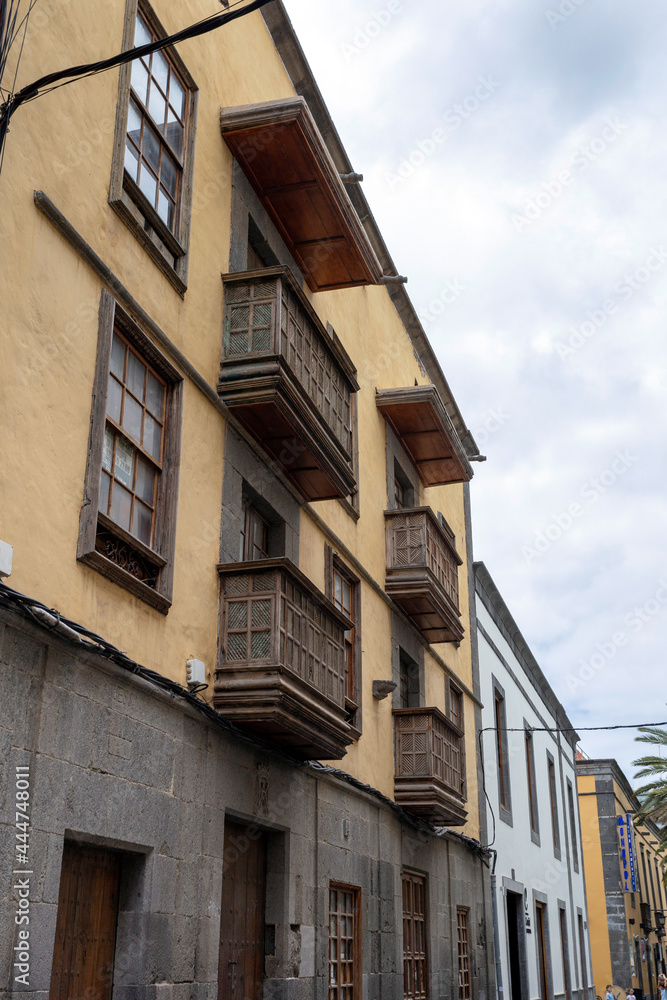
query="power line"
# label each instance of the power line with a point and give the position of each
(65, 76)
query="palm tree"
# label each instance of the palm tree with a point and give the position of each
(653, 795)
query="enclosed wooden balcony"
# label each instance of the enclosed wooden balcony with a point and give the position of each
(418, 417)
(423, 572)
(288, 381)
(281, 151)
(283, 659)
(429, 775)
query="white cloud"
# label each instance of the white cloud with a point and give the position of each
(526, 292)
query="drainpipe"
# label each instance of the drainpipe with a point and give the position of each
(496, 932)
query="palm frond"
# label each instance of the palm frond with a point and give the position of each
(652, 735)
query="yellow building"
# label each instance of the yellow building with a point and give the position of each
(229, 451)
(624, 881)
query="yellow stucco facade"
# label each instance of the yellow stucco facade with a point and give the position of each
(62, 144)
(625, 952)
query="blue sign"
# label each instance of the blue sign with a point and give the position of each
(627, 853)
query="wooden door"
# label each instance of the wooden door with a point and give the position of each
(241, 965)
(415, 976)
(542, 963)
(83, 955)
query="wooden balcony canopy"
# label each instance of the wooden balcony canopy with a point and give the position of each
(289, 381)
(281, 151)
(283, 659)
(420, 420)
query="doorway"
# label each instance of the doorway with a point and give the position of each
(515, 944)
(83, 954)
(242, 914)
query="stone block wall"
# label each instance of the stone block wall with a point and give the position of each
(115, 761)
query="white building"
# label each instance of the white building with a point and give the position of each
(542, 938)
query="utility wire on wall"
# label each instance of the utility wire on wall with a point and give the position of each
(61, 78)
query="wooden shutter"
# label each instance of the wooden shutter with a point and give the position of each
(415, 971)
(83, 956)
(241, 964)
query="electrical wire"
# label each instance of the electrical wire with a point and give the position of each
(543, 729)
(62, 77)
(70, 631)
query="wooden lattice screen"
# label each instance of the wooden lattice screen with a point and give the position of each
(427, 745)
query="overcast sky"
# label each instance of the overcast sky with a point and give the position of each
(515, 157)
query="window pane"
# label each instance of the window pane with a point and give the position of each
(169, 174)
(107, 452)
(152, 437)
(131, 160)
(151, 147)
(146, 477)
(134, 123)
(160, 70)
(174, 133)
(140, 80)
(121, 505)
(154, 396)
(136, 375)
(118, 357)
(124, 467)
(132, 415)
(165, 209)
(148, 184)
(177, 96)
(142, 522)
(157, 105)
(105, 482)
(114, 397)
(142, 35)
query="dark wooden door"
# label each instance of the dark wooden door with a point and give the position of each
(241, 966)
(83, 954)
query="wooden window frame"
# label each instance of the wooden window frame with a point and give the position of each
(533, 810)
(169, 250)
(404, 659)
(573, 825)
(451, 688)
(553, 803)
(161, 555)
(251, 517)
(502, 753)
(463, 952)
(357, 957)
(334, 564)
(351, 504)
(408, 875)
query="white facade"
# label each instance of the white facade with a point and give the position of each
(540, 894)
